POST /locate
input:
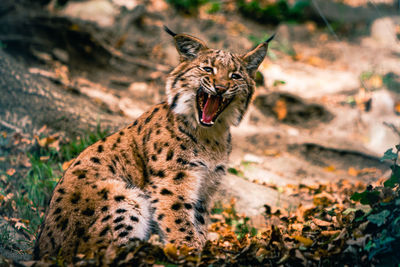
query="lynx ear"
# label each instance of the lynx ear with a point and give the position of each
(254, 58)
(187, 46)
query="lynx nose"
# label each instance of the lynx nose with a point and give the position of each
(220, 89)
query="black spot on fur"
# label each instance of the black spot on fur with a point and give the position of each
(158, 132)
(88, 212)
(111, 168)
(119, 198)
(178, 221)
(182, 161)
(64, 224)
(134, 219)
(100, 148)
(188, 238)
(61, 191)
(119, 219)
(176, 206)
(200, 218)
(188, 206)
(105, 230)
(183, 147)
(139, 129)
(165, 191)
(77, 163)
(121, 210)
(179, 176)
(154, 200)
(103, 193)
(182, 229)
(121, 133)
(168, 230)
(170, 154)
(160, 217)
(129, 228)
(220, 168)
(174, 100)
(154, 158)
(76, 196)
(95, 160)
(57, 211)
(58, 199)
(123, 234)
(82, 176)
(104, 209)
(182, 130)
(160, 174)
(148, 119)
(119, 226)
(106, 218)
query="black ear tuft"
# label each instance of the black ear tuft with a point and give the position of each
(255, 57)
(169, 31)
(268, 40)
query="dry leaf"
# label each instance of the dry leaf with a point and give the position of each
(171, 251)
(280, 109)
(330, 168)
(10, 172)
(304, 240)
(321, 222)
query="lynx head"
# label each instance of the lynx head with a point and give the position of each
(212, 87)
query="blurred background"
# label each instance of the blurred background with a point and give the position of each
(326, 108)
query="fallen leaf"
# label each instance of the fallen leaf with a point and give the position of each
(330, 168)
(66, 164)
(321, 222)
(171, 251)
(10, 172)
(304, 240)
(352, 172)
(280, 109)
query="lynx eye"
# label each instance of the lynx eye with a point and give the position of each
(208, 69)
(236, 76)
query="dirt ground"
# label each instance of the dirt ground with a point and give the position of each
(324, 104)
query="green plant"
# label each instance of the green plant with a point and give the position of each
(187, 6)
(384, 214)
(34, 189)
(273, 11)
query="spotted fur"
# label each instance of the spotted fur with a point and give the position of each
(158, 174)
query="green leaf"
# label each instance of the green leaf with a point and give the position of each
(379, 218)
(366, 197)
(394, 178)
(389, 155)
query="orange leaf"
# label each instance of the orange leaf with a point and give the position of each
(66, 164)
(306, 241)
(280, 109)
(171, 251)
(330, 233)
(321, 222)
(330, 168)
(353, 172)
(10, 172)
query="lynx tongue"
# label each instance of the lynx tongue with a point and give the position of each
(210, 109)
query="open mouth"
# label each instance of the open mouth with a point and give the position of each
(210, 106)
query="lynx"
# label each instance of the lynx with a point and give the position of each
(158, 175)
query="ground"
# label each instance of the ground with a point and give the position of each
(326, 102)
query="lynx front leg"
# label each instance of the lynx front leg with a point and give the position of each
(175, 213)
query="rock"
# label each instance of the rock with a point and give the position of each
(101, 12)
(309, 81)
(384, 31)
(61, 55)
(250, 197)
(380, 136)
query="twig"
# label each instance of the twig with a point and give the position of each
(392, 127)
(11, 127)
